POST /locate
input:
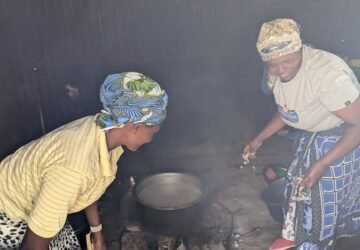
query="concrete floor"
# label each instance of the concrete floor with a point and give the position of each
(233, 208)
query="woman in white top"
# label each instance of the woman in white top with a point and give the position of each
(317, 93)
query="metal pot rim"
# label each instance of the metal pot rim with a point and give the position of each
(202, 187)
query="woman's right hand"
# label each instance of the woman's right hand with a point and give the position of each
(251, 148)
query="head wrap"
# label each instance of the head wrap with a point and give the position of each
(277, 38)
(131, 97)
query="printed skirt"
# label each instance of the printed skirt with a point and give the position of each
(12, 234)
(332, 208)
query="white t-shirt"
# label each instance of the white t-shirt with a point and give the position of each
(324, 83)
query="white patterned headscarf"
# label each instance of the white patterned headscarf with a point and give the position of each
(277, 38)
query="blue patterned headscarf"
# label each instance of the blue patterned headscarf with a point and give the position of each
(131, 97)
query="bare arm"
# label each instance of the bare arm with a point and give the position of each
(92, 215)
(32, 241)
(275, 124)
(350, 139)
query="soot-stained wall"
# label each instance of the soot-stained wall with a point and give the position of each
(55, 54)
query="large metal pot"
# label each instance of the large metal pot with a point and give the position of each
(170, 203)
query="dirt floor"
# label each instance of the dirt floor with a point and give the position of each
(233, 216)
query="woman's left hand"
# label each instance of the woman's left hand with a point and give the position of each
(314, 174)
(98, 241)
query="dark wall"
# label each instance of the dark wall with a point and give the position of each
(202, 51)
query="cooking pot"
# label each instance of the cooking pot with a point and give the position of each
(170, 203)
(273, 196)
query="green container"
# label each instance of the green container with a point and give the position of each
(356, 71)
(279, 171)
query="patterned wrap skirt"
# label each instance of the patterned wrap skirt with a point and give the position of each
(332, 209)
(12, 234)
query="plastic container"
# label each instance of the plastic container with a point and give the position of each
(273, 172)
